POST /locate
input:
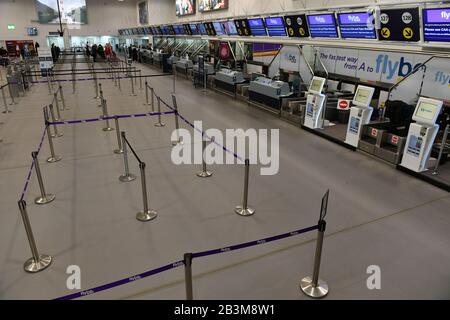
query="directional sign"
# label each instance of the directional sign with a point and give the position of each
(400, 25)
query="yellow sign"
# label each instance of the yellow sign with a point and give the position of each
(291, 31)
(385, 32)
(408, 33)
(302, 31)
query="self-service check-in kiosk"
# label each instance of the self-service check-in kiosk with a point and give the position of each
(421, 135)
(360, 114)
(315, 100)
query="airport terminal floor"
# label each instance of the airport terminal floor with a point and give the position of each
(377, 215)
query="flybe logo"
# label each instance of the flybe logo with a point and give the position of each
(442, 78)
(320, 19)
(445, 15)
(354, 18)
(393, 68)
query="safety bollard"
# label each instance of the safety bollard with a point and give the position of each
(127, 177)
(119, 150)
(159, 123)
(53, 158)
(106, 116)
(245, 210)
(146, 214)
(204, 173)
(177, 125)
(13, 101)
(37, 262)
(55, 127)
(44, 198)
(5, 103)
(63, 100)
(313, 286)
(187, 259)
(133, 94)
(58, 114)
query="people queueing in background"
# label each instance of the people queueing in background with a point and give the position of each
(101, 51)
(94, 52)
(130, 52)
(108, 51)
(53, 51)
(88, 50)
(3, 52)
(135, 54)
(26, 51)
(36, 47)
(139, 55)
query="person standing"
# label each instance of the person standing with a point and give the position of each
(94, 52)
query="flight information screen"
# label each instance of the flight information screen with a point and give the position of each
(257, 27)
(202, 29)
(436, 24)
(276, 27)
(218, 27)
(242, 27)
(230, 28)
(357, 25)
(194, 29)
(323, 26)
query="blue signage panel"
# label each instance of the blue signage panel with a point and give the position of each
(257, 27)
(202, 29)
(357, 25)
(436, 24)
(218, 27)
(322, 26)
(276, 27)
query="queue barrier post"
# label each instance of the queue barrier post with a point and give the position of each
(13, 101)
(37, 262)
(245, 210)
(146, 214)
(204, 173)
(53, 158)
(48, 82)
(63, 100)
(133, 94)
(96, 85)
(146, 94)
(159, 123)
(55, 127)
(58, 113)
(140, 79)
(5, 103)
(44, 198)
(127, 177)
(315, 287)
(187, 259)
(152, 91)
(119, 150)
(101, 96)
(105, 116)
(177, 124)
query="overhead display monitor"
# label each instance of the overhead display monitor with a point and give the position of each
(201, 27)
(316, 85)
(171, 30)
(158, 30)
(210, 28)
(257, 27)
(212, 5)
(230, 28)
(436, 24)
(72, 11)
(187, 30)
(179, 29)
(243, 27)
(323, 26)
(276, 27)
(32, 31)
(399, 25)
(185, 7)
(363, 96)
(297, 26)
(194, 29)
(218, 28)
(427, 111)
(357, 25)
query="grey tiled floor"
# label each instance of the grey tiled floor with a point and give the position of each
(377, 215)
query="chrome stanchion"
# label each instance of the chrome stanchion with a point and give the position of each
(133, 94)
(119, 150)
(152, 91)
(313, 286)
(44, 198)
(5, 103)
(53, 158)
(159, 123)
(140, 79)
(118, 80)
(177, 125)
(146, 214)
(245, 210)
(106, 116)
(58, 114)
(55, 127)
(101, 96)
(38, 262)
(73, 83)
(146, 94)
(204, 173)
(63, 101)
(188, 276)
(174, 78)
(48, 82)
(441, 150)
(13, 101)
(96, 85)
(127, 177)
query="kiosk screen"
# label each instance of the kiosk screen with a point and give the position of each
(316, 85)
(363, 96)
(426, 110)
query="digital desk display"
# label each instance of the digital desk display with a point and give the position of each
(194, 29)
(218, 27)
(276, 27)
(357, 25)
(436, 24)
(202, 29)
(257, 27)
(363, 96)
(323, 26)
(242, 27)
(426, 111)
(230, 28)
(317, 85)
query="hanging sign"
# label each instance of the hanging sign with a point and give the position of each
(399, 25)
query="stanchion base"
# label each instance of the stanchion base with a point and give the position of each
(133, 95)
(204, 174)
(179, 141)
(314, 292)
(96, 98)
(117, 151)
(44, 200)
(108, 129)
(60, 134)
(160, 124)
(128, 178)
(146, 216)
(54, 159)
(7, 111)
(32, 266)
(245, 212)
